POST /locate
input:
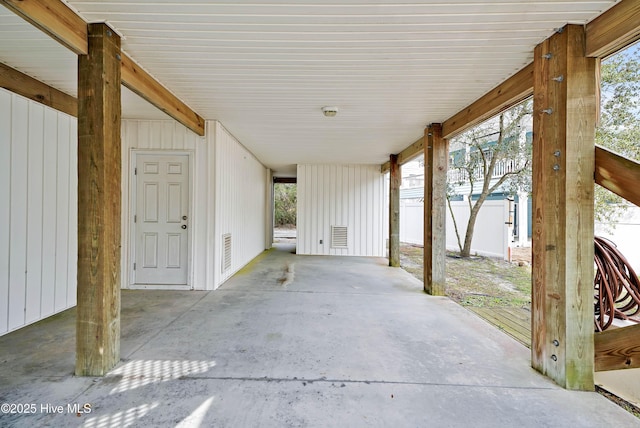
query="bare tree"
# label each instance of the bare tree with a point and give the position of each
(496, 158)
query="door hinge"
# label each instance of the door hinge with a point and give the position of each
(134, 266)
(135, 218)
(135, 171)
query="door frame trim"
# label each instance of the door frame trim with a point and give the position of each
(131, 229)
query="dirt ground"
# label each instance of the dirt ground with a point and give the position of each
(521, 256)
(479, 281)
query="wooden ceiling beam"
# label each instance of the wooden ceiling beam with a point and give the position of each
(54, 18)
(142, 83)
(411, 152)
(61, 23)
(614, 29)
(15, 81)
(407, 155)
(385, 167)
(507, 94)
(285, 180)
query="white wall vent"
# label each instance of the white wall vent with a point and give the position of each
(226, 254)
(338, 236)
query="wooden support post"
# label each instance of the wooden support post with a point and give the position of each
(98, 311)
(436, 158)
(395, 178)
(563, 164)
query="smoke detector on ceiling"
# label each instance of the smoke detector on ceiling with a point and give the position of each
(329, 111)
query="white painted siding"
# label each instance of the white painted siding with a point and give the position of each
(229, 195)
(38, 218)
(341, 195)
(169, 135)
(240, 183)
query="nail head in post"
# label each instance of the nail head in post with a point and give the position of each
(548, 110)
(547, 55)
(556, 342)
(109, 33)
(556, 154)
(558, 78)
(554, 358)
(556, 167)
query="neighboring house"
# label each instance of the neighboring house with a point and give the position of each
(500, 209)
(520, 208)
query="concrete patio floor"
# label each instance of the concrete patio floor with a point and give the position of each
(294, 341)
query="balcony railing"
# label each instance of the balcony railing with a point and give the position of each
(461, 176)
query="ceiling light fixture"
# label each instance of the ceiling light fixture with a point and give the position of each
(329, 111)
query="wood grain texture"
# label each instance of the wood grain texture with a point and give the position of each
(539, 205)
(54, 18)
(27, 86)
(617, 349)
(516, 322)
(385, 167)
(617, 174)
(395, 180)
(407, 155)
(581, 116)
(61, 23)
(510, 92)
(141, 82)
(436, 156)
(411, 152)
(563, 159)
(99, 204)
(614, 29)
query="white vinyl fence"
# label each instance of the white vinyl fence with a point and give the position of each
(491, 233)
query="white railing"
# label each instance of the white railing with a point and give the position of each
(502, 167)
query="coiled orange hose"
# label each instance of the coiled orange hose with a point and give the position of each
(617, 287)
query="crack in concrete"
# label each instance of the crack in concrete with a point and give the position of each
(360, 381)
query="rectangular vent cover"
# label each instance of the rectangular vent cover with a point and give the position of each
(338, 236)
(226, 255)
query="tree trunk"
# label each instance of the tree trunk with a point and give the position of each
(468, 236)
(455, 224)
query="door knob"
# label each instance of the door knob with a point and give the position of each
(184, 226)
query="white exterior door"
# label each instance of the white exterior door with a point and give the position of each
(161, 219)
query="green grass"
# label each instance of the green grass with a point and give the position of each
(477, 281)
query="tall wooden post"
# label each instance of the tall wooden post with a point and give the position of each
(98, 311)
(436, 159)
(563, 166)
(395, 178)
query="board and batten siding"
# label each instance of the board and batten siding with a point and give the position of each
(351, 196)
(169, 136)
(240, 204)
(38, 212)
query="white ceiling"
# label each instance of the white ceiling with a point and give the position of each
(265, 68)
